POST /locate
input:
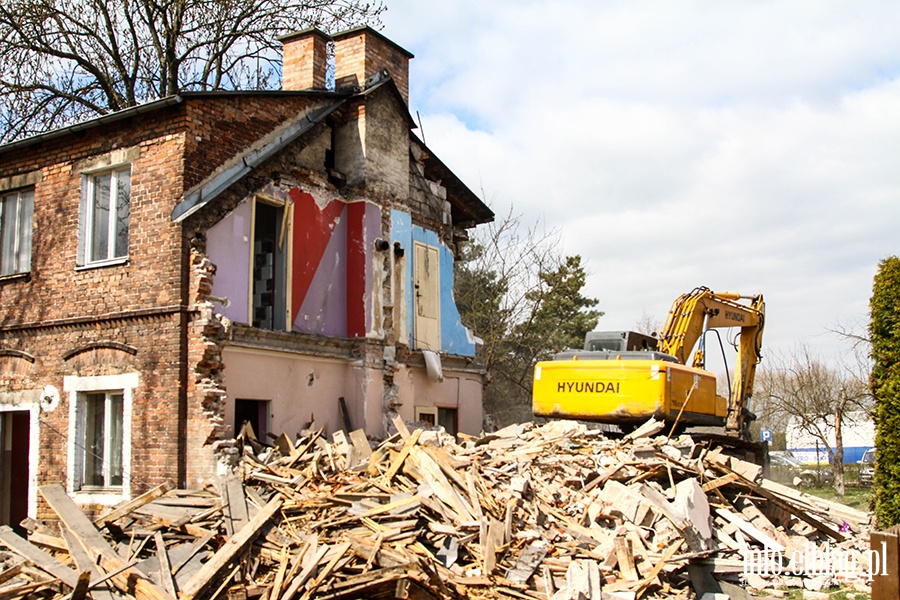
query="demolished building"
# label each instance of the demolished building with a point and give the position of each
(302, 238)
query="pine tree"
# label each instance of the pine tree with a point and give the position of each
(884, 333)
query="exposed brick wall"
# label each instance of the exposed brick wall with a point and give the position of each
(304, 60)
(155, 434)
(360, 53)
(221, 127)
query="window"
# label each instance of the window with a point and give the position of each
(269, 266)
(100, 437)
(105, 215)
(436, 416)
(16, 214)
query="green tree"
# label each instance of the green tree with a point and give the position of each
(884, 335)
(525, 301)
(67, 60)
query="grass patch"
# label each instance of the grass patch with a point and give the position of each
(857, 497)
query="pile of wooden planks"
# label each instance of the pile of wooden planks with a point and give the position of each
(553, 511)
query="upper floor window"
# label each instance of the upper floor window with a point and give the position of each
(105, 216)
(16, 214)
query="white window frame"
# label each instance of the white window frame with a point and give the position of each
(76, 387)
(86, 238)
(21, 246)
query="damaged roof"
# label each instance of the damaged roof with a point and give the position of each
(468, 209)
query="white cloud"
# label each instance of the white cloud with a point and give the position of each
(749, 146)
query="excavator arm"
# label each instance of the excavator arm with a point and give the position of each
(700, 310)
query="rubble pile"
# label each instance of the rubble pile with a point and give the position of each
(553, 511)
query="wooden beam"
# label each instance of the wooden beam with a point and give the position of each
(215, 565)
(38, 557)
(126, 507)
(88, 535)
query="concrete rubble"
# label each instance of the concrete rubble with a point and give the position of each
(555, 511)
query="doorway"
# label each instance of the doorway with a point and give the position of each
(15, 433)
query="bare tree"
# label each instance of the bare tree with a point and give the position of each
(66, 60)
(523, 298)
(648, 324)
(819, 399)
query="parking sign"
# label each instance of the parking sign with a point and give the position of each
(766, 435)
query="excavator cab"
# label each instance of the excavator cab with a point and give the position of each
(616, 345)
(619, 341)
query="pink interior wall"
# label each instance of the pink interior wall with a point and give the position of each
(458, 390)
(298, 387)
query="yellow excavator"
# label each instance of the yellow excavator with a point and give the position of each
(625, 378)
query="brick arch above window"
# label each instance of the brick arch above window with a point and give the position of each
(16, 362)
(109, 345)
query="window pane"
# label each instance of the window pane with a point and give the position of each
(100, 217)
(123, 210)
(93, 438)
(116, 406)
(26, 216)
(8, 210)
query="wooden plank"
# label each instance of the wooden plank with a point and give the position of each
(126, 507)
(84, 563)
(338, 553)
(719, 482)
(81, 587)
(651, 576)
(401, 427)
(304, 574)
(286, 446)
(798, 511)
(237, 503)
(215, 565)
(88, 535)
(626, 559)
(751, 530)
(361, 444)
(165, 569)
(38, 557)
(528, 561)
(397, 463)
(11, 572)
(26, 590)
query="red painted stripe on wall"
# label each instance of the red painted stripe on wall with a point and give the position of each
(313, 227)
(356, 269)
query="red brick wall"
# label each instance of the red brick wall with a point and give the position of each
(361, 53)
(145, 303)
(304, 62)
(221, 127)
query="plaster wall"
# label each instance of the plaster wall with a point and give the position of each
(300, 388)
(459, 390)
(455, 337)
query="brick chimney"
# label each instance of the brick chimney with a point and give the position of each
(304, 60)
(362, 52)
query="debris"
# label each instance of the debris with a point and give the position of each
(553, 511)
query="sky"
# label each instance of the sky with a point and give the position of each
(743, 146)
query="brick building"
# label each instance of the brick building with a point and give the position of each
(302, 238)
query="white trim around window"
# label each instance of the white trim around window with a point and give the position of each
(104, 217)
(78, 389)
